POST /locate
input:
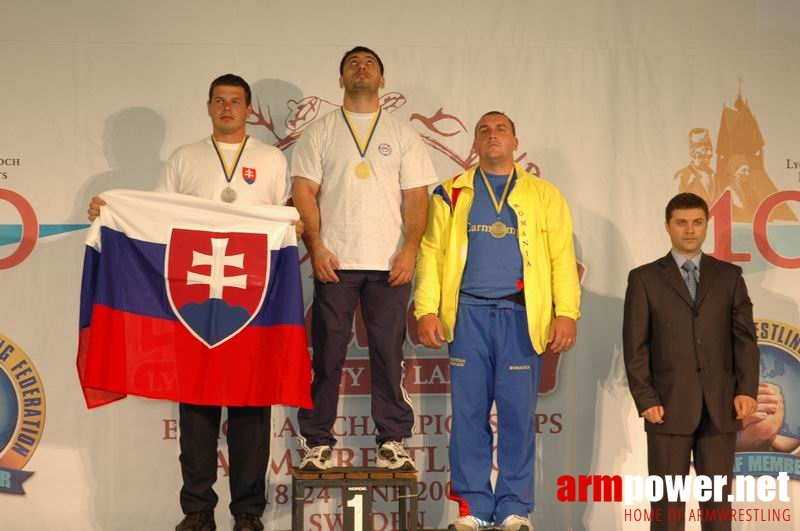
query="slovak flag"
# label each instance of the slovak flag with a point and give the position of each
(192, 300)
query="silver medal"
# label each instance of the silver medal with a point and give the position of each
(228, 195)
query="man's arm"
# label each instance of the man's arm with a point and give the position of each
(428, 291)
(564, 274)
(636, 349)
(323, 262)
(415, 214)
(746, 356)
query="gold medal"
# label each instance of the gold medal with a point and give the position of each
(498, 229)
(228, 195)
(363, 170)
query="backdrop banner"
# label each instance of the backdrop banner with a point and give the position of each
(619, 104)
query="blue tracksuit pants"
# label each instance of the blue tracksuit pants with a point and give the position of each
(492, 361)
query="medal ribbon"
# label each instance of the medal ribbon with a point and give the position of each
(361, 151)
(229, 175)
(498, 205)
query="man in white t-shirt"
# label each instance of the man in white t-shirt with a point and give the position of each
(360, 179)
(227, 166)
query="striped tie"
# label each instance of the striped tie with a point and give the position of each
(691, 277)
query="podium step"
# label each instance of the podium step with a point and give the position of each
(356, 485)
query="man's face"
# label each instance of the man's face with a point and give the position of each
(228, 109)
(687, 230)
(494, 139)
(361, 73)
(700, 155)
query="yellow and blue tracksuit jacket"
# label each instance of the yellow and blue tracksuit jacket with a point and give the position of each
(550, 273)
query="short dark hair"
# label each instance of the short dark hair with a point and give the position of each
(684, 201)
(358, 49)
(230, 80)
(500, 113)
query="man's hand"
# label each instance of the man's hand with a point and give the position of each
(654, 414)
(324, 264)
(403, 264)
(761, 427)
(94, 207)
(745, 406)
(299, 226)
(562, 334)
(430, 331)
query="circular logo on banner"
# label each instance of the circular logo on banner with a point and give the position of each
(22, 415)
(770, 441)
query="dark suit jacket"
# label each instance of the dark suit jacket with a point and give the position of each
(678, 353)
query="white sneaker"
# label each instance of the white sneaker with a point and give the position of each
(515, 523)
(318, 458)
(469, 523)
(393, 456)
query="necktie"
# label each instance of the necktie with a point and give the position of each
(691, 277)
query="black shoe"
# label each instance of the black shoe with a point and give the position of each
(197, 521)
(247, 522)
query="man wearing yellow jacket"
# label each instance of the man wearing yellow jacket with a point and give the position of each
(496, 279)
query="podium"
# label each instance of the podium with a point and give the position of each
(356, 487)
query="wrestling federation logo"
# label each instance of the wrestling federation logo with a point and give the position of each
(216, 281)
(770, 441)
(22, 414)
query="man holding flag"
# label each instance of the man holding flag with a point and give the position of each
(230, 168)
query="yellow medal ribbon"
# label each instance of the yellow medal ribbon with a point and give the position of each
(229, 174)
(361, 150)
(498, 205)
(498, 228)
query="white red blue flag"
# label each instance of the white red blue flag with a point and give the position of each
(194, 301)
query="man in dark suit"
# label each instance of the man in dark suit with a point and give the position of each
(691, 356)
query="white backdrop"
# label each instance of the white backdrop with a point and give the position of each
(96, 94)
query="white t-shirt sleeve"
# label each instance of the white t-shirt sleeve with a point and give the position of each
(168, 182)
(281, 189)
(416, 168)
(307, 154)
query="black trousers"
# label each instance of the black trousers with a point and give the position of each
(714, 454)
(248, 456)
(384, 308)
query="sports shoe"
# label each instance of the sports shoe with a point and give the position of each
(318, 458)
(516, 523)
(197, 521)
(392, 455)
(247, 522)
(469, 523)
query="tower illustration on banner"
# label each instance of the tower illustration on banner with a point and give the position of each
(739, 166)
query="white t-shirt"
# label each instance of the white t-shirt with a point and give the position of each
(361, 220)
(260, 177)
